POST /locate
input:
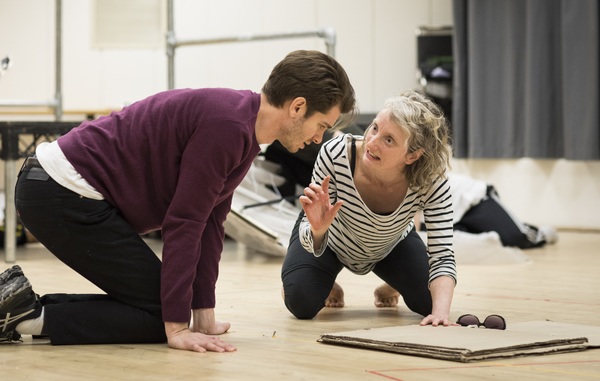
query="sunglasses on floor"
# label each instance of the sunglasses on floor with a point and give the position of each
(491, 322)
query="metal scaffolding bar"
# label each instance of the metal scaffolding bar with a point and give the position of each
(327, 33)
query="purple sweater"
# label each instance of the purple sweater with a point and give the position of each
(172, 162)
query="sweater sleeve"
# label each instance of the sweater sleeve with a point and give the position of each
(437, 213)
(191, 231)
(207, 270)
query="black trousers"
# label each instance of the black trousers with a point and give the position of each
(92, 238)
(307, 280)
(491, 215)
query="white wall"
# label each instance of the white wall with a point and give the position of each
(375, 43)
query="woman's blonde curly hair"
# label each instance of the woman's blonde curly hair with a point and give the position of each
(427, 130)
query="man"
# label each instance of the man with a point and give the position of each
(172, 162)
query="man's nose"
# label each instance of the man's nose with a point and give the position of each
(318, 138)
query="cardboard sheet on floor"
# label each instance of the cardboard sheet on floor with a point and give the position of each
(467, 344)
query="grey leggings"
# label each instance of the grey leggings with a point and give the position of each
(307, 280)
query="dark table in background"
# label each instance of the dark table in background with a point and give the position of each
(14, 148)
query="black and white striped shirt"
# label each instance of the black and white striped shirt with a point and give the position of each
(361, 238)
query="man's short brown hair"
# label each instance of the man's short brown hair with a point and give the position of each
(314, 75)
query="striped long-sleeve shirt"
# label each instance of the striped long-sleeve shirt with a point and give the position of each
(361, 238)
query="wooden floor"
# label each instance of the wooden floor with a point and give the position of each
(560, 284)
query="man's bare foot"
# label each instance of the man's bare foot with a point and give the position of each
(336, 296)
(386, 296)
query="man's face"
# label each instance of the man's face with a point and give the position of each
(301, 131)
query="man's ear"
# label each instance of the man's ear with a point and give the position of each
(414, 156)
(298, 107)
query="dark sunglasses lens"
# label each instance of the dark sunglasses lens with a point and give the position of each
(467, 320)
(494, 322)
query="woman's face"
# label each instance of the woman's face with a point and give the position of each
(386, 145)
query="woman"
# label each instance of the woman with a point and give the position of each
(358, 214)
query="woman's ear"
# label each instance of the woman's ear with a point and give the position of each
(414, 156)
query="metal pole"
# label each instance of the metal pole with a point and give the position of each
(326, 33)
(170, 40)
(10, 217)
(58, 110)
(329, 35)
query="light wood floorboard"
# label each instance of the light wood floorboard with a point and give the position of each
(560, 284)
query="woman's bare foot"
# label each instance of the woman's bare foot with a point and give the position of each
(386, 296)
(336, 296)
